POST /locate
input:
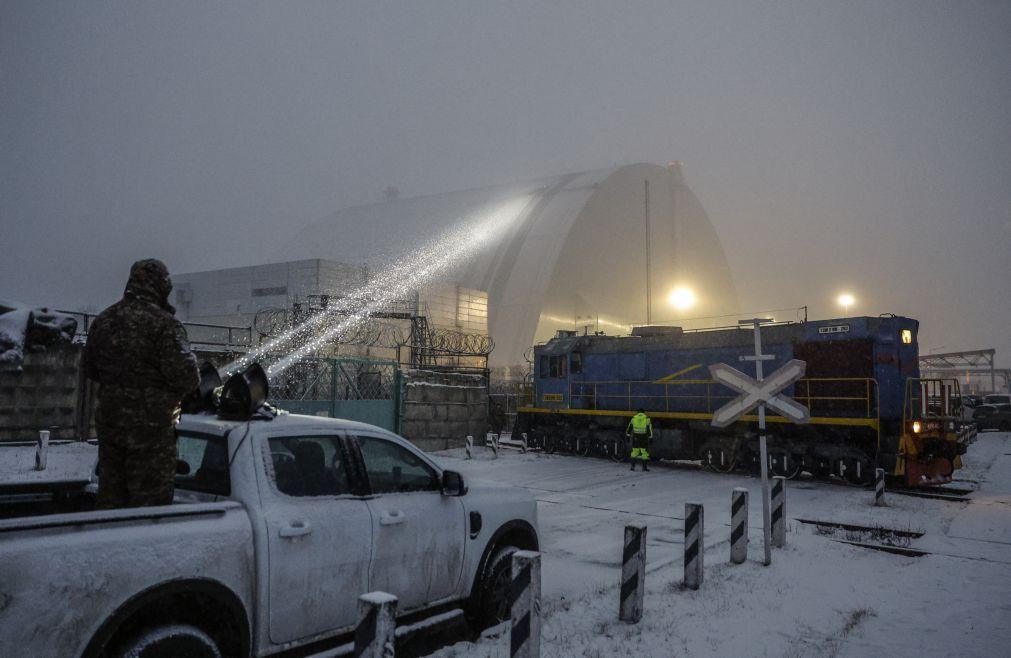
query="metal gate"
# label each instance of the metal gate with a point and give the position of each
(366, 390)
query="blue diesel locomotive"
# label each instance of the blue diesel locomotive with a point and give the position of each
(869, 407)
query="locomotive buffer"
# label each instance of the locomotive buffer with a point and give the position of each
(759, 391)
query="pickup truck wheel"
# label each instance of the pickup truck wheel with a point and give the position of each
(493, 594)
(171, 640)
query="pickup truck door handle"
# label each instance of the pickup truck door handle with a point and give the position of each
(392, 517)
(295, 529)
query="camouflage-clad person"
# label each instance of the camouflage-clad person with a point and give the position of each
(139, 354)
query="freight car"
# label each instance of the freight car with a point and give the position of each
(869, 407)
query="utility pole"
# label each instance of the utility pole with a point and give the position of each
(649, 274)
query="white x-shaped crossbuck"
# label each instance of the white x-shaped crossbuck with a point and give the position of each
(754, 392)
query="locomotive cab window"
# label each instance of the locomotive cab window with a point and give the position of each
(557, 366)
(907, 337)
(544, 367)
(576, 363)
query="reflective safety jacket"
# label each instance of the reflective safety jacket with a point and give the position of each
(640, 424)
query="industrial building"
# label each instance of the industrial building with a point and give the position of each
(589, 251)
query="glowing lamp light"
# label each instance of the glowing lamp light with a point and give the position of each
(682, 298)
(846, 300)
(916, 426)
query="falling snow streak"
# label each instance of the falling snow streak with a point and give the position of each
(396, 281)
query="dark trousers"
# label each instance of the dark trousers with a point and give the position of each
(136, 465)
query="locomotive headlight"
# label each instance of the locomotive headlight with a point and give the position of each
(916, 427)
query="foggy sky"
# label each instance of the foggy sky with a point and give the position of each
(863, 146)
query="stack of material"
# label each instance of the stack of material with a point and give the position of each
(24, 329)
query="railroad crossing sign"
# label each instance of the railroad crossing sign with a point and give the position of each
(754, 392)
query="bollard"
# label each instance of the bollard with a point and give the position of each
(494, 444)
(525, 596)
(879, 487)
(633, 574)
(375, 635)
(42, 450)
(739, 526)
(779, 511)
(694, 530)
(525, 445)
(470, 447)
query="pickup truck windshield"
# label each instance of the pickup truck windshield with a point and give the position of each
(206, 457)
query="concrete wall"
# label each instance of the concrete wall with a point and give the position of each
(441, 409)
(49, 393)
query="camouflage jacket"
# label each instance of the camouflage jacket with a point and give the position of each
(139, 352)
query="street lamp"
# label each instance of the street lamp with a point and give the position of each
(846, 300)
(682, 298)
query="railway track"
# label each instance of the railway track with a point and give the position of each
(951, 498)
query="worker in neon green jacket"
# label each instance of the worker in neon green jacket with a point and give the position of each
(641, 430)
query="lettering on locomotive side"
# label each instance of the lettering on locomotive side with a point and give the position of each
(552, 397)
(834, 329)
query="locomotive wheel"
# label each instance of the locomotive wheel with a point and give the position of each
(549, 444)
(784, 464)
(580, 445)
(616, 450)
(718, 459)
(860, 472)
(856, 471)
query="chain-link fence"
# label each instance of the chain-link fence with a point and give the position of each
(357, 389)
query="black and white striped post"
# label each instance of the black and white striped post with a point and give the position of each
(525, 444)
(42, 450)
(694, 530)
(739, 525)
(879, 487)
(375, 635)
(633, 574)
(525, 632)
(779, 511)
(494, 444)
(470, 447)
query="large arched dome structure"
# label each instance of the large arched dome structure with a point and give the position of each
(580, 253)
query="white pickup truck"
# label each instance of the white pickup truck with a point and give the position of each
(277, 527)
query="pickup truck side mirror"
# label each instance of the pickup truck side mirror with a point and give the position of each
(182, 468)
(452, 484)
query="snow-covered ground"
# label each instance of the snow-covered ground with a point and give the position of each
(819, 596)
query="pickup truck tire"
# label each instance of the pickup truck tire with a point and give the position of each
(493, 605)
(170, 640)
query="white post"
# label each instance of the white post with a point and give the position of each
(42, 450)
(779, 511)
(494, 444)
(694, 544)
(633, 574)
(525, 632)
(470, 447)
(525, 445)
(739, 525)
(763, 450)
(375, 635)
(879, 487)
